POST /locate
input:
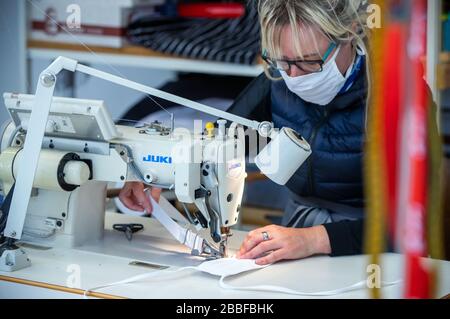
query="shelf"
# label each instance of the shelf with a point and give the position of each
(134, 56)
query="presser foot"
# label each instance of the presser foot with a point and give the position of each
(212, 252)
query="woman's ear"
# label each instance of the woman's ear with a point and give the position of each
(357, 29)
(355, 32)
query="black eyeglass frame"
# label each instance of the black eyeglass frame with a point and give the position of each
(290, 63)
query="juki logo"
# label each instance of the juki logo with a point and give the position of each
(158, 159)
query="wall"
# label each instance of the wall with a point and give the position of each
(10, 61)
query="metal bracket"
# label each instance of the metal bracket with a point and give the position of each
(13, 259)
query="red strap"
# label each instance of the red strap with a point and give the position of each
(211, 10)
(417, 283)
(393, 96)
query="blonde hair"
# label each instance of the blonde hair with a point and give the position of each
(340, 21)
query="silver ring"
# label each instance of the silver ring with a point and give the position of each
(265, 236)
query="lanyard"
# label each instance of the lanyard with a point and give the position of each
(355, 72)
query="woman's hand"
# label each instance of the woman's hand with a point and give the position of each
(284, 243)
(133, 197)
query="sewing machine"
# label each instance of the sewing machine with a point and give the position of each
(58, 154)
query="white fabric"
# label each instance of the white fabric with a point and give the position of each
(227, 267)
(318, 88)
(183, 235)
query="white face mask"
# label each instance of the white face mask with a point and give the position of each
(318, 88)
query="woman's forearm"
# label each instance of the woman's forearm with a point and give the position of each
(346, 238)
(320, 241)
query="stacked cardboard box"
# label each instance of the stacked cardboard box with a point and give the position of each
(89, 22)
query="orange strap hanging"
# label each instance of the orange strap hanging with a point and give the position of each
(374, 161)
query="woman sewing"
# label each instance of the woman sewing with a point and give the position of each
(316, 82)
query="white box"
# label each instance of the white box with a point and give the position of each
(100, 22)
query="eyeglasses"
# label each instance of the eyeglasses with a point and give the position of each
(308, 66)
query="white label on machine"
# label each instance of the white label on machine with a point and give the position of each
(234, 169)
(55, 123)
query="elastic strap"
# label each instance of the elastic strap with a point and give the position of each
(267, 288)
(137, 279)
(284, 290)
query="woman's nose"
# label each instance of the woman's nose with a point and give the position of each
(294, 72)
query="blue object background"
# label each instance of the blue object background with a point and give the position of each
(446, 34)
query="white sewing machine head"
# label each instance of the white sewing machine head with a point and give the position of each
(82, 150)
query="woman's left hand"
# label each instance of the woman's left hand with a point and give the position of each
(282, 243)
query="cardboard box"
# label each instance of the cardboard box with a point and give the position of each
(89, 22)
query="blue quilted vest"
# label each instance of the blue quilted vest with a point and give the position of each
(336, 133)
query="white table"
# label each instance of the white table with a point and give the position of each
(108, 261)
